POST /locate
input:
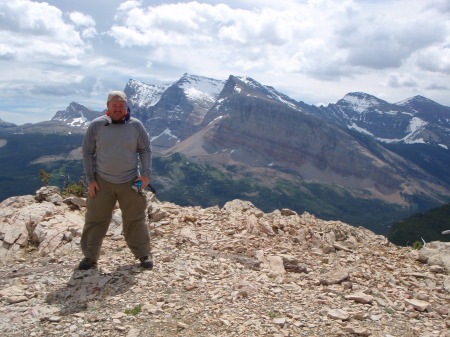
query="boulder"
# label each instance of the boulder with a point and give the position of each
(436, 253)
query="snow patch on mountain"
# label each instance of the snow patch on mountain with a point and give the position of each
(248, 80)
(283, 100)
(361, 130)
(166, 133)
(196, 94)
(78, 121)
(215, 119)
(361, 102)
(391, 112)
(201, 88)
(269, 91)
(145, 95)
(415, 141)
(416, 125)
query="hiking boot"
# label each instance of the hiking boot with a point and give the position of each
(146, 262)
(87, 263)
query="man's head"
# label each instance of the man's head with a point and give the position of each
(117, 105)
(117, 96)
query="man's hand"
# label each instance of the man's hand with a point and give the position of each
(145, 181)
(93, 188)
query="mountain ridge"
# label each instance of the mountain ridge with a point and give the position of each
(248, 130)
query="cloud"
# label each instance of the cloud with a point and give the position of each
(242, 39)
(438, 86)
(435, 59)
(396, 80)
(390, 44)
(322, 39)
(36, 32)
(6, 52)
(386, 35)
(83, 86)
(85, 22)
(441, 6)
(80, 19)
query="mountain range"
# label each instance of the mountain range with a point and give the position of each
(359, 158)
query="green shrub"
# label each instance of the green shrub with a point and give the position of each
(45, 177)
(417, 245)
(136, 310)
(78, 190)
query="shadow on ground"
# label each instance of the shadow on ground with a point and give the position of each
(90, 286)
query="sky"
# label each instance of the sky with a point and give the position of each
(316, 51)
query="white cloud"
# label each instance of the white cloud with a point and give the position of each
(435, 59)
(244, 39)
(441, 6)
(322, 39)
(80, 19)
(390, 44)
(438, 85)
(396, 80)
(129, 4)
(36, 32)
(85, 22)
(6, 52)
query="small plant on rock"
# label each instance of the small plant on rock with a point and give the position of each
(136, 310)
(417, 245)
(274, 314)
(78, 190)
(45, 176)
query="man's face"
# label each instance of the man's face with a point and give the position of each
(117, 109)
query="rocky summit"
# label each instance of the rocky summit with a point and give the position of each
(230, 271)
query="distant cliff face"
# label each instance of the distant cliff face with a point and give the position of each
(262, 132)
(172, 113)
(416, 120)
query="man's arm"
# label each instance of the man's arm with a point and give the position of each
(145, 156)
(89, 160)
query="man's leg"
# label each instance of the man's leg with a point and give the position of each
(98, 218)
(134, 205)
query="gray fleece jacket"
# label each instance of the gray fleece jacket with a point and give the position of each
(114, 150)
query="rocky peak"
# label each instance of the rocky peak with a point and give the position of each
(205, 85)
(361, 102)
(416, 100)
(181, 109)
(428, 110)
(76, 115)
(247, 86)
(201, 93)
(239, 89)
(224, 271)
(141, 95)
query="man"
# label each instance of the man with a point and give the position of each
(112, 148)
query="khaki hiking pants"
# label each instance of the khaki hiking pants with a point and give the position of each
(99, 214)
